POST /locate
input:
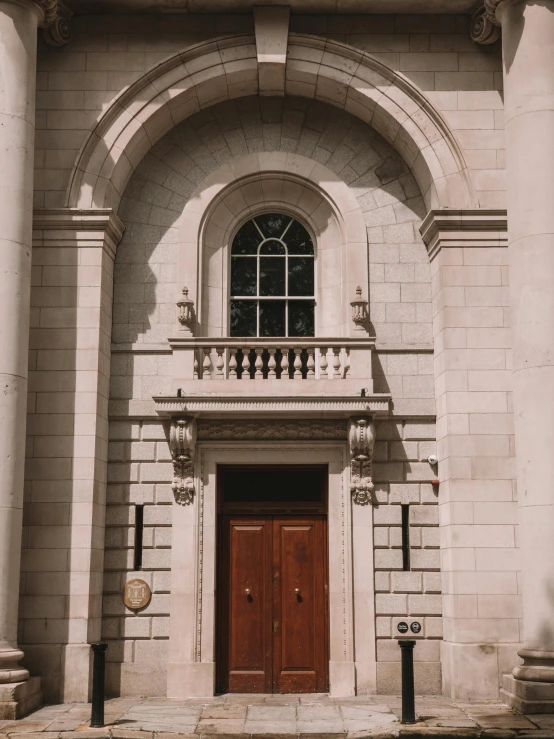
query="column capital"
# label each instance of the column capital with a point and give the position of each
(485, 23)
(57, 22)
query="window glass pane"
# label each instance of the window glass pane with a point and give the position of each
(272, 275)
(298, 240)
(272, 224)
(243, 275)
(247, 239)
(301, 276)
(272, 247)
(272, 318)
(243, 317)
(301, 318)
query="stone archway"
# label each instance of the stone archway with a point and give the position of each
(227, 68)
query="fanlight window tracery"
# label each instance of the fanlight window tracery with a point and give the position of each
(272, 278)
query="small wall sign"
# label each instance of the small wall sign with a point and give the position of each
(402, 627)
(136, 594)
(415, 626)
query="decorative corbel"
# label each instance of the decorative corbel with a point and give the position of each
(360, 311)
(57, 26)
(186, 311)
(485, 23)
(182, 445)
(361, 438)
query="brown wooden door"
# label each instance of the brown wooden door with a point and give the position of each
(272, 604)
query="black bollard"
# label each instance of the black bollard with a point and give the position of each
(408, 697)
(98, 679)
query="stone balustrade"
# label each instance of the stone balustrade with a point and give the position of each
(275, 359)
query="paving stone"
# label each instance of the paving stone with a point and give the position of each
(271, 713)
(542, 720)
(220, 726)
(318, 712)
(507, 721)
(228, 710)
(323, 726)
(269, 726)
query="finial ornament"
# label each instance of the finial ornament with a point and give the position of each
(57, 22)
(186, 311)
(360, 312)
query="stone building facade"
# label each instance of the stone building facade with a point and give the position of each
(311, 243)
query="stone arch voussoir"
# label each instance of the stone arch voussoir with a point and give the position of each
(226, 68)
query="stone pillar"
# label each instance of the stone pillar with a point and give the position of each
(18, 50)
(528, 54)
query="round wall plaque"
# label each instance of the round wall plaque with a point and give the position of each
(402, 627)
(415, 627)
(136, 594)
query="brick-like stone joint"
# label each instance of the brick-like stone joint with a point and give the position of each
(57, 26)
(361, 439)
(182, 445)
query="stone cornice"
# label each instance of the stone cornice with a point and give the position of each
(71, 227)
(448, 228)
(276, 407)
(56, 23)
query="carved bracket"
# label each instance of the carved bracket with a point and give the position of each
(182, 445)
(361, 438)
(57, 23)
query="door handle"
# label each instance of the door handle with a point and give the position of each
(247, 591)
(297, 591)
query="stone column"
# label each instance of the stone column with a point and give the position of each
(528, 54)
(18, 49)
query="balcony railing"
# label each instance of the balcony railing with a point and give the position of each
(275, 359)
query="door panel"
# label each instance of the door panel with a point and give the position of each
(299, 643)
(273, 638)
(246, 597)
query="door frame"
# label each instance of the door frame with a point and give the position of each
(192, 636)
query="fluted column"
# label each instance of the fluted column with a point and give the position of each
(528, 56)
(18, 49)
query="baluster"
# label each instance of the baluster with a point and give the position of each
(246, 363)
(310, 364)
(285, 364)
(232, 364)
(271, 365)
(219, 363)
(346, 351)
(207, 364)
(323, 363)
(336, 363)
(196, 364)
(297, 364)
(259, 365)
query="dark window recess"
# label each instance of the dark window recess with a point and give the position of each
(405, 537)
(139, 524)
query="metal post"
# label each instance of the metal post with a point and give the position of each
(408, 697)
(98, 678)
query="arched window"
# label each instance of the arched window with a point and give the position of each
(272, 278)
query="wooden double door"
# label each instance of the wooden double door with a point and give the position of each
(273, 604)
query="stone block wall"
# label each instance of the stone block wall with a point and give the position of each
(145, 293)
(402, 478)
(139, 472)
(75, 84)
